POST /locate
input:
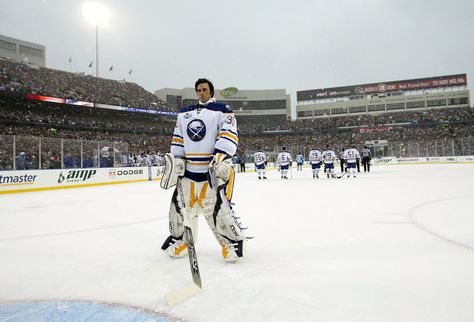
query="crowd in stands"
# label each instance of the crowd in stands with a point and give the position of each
(140, 144)
(27, 141)
(439, 115)
(16, 109)
(32, 119)
(23, 78)
(74, 157)
(273, 142)
(141, 137)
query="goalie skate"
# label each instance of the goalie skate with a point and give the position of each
(175, 247)
(231, 252)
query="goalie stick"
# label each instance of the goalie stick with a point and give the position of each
(193, 261)
(335, 175)
(182, 294)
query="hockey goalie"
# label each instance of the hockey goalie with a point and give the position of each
(204, 139)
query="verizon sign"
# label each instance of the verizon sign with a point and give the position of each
(393, 86)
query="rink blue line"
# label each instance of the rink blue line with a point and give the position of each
(59, 311)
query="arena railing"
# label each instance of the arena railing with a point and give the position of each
(31, 152)
(401, 149)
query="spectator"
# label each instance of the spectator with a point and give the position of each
(87, 162)
(68, 161)
(20, 161)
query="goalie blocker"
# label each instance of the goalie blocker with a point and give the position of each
(174, 168)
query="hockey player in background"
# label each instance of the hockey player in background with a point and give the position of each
(315, 161)
(205, 136)
(260, 160)
(284, 160)
(357, 162)
(242, 163)
(299, 162)
(342, 160)
(329, 156)
(366, 157)
(351, 155)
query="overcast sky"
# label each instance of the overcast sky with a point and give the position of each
(251, 44)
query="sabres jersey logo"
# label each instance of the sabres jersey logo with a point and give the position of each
(196, 130)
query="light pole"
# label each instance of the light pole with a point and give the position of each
(96, 13)
(97, 50)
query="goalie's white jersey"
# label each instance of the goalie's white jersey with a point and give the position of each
(259, 158)
(284, 158)
(351, 155)
(202, 130)
(314, 156)
(329, 156)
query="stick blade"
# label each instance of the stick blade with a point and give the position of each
(182, 294)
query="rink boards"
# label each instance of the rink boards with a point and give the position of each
(423, 160)
(39, 180)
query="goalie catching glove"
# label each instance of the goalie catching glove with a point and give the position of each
(221, 163)
(174, 168)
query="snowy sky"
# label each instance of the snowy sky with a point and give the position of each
(295, 45)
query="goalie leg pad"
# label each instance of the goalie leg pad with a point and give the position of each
(174, 168)
(229, 185)
(174, 245)
(176, 220)
(225, 227)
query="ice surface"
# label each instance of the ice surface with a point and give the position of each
(393, 245)
(73, 311)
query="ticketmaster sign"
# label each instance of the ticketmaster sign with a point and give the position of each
(39, 180)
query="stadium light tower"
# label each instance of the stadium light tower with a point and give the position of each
(96, 14)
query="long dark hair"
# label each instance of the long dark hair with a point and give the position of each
(204, 81)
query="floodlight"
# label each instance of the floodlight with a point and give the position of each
(95, 13)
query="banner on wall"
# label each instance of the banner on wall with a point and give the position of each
(38, 180)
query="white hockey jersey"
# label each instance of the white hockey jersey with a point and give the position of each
(351, 155)
(202, 130)
(329, 156)
(284, 158)
(259, 158)
(147, 160)
(314, 156)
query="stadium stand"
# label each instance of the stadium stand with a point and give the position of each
(52, 135)
(45, 81)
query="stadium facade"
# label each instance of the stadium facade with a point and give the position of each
(249, 106)
(449, 91)
(23, 51)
